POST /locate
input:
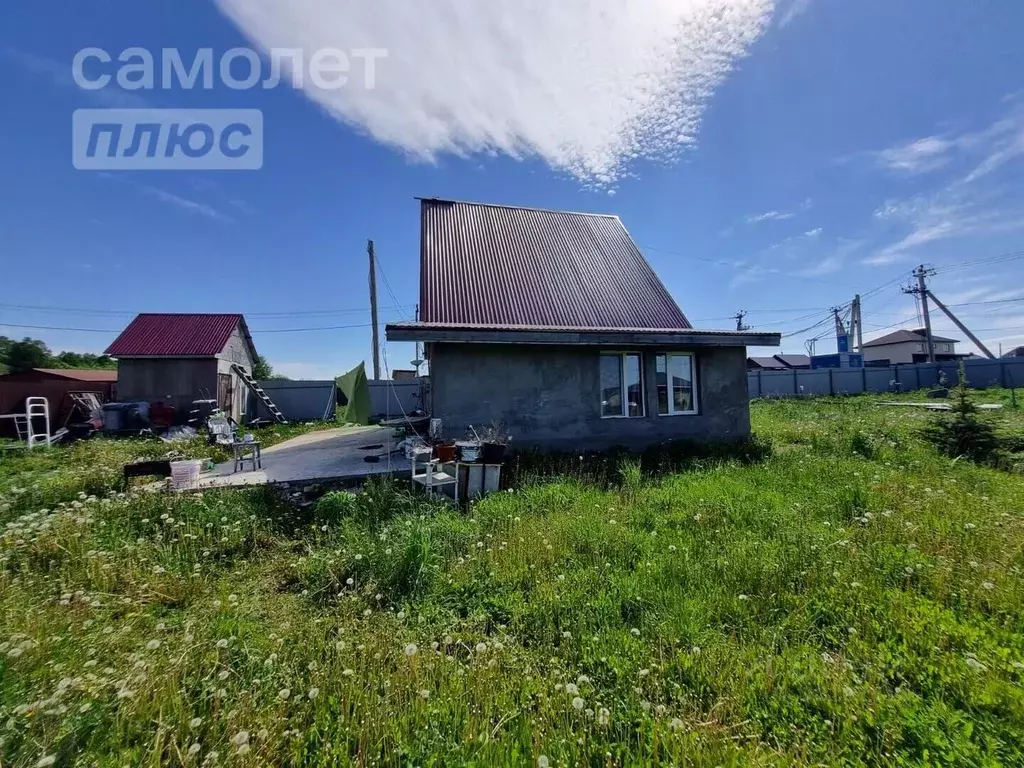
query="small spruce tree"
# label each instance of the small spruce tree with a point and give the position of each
(962, 431)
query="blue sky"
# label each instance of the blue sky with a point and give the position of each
(776, 158)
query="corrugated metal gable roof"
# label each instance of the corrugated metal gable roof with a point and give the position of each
(769, 363)
(500, 265)
(905, 334)
(176, 335)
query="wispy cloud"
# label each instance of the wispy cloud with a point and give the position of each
(587, 86)
(58, 74)
(953, 212)
(770, 216)
(191, 206)
(918, 156)
(794, 9)
(984, 150)
(962, 205)
(834, 261)
(177, 201)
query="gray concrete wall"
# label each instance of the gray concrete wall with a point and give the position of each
(174, 380)
(550, 397)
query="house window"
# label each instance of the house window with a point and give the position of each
(622, 387)
(677, 393)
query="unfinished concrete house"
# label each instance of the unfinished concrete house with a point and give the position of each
(178, 358)
(554, 324)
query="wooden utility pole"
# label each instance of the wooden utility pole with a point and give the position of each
(739, 321)
(373, 310)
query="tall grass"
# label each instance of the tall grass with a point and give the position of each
(852, 598)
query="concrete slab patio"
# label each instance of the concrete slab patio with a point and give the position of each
(334, 454)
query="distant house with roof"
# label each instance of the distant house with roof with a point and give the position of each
(764, 364)
(178, 358)
(909, 346)
(555, 325)
(779, 363)
(1015, 352)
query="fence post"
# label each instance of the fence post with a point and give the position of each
(760, 388)
(831, 388)
(863, 380)
(796, 385)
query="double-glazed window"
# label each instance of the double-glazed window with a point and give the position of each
(622, 385)
(677, 393)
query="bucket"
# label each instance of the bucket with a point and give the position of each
(468, 451)
(445, 452)
(185, 474)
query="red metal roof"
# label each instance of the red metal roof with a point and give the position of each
(498, 265)
(175, 335)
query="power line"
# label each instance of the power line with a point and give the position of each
(118, 330)
(123, 312)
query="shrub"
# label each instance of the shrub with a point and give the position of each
(962, 432)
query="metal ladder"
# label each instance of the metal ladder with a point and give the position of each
(37, 408)
(257, 390)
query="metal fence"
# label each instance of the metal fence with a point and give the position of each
(1004, 372)
(297, 400)
(394, 398)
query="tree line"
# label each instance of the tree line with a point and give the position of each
(33, 353)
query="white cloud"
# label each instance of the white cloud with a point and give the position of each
(770, 216)
(834, 261)
(184, 203)
(987, 149)
(813, 232)
(796, 8)
(191, 206)
(920, 156)
(588, 86)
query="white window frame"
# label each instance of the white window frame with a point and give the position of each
(623, 390)
(695, 410)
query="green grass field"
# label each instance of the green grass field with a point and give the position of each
(853, 599)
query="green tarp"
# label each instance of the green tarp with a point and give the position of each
(357, 391)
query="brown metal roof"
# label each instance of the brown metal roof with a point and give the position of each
(505, 266)
(903, 335)
(81, 374)
(177, 335)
